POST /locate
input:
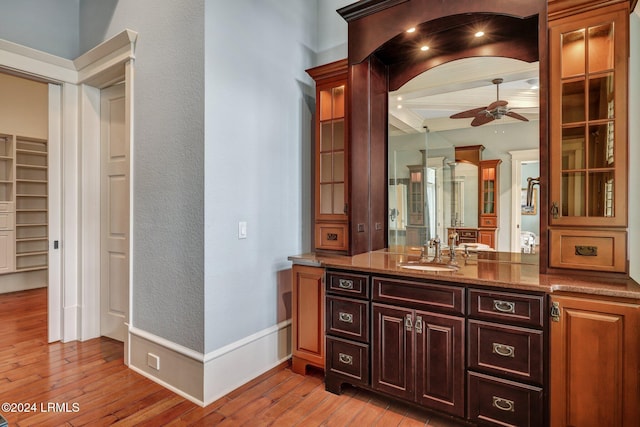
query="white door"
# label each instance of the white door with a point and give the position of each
(114, 212)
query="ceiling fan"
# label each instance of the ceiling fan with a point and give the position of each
(495, 110)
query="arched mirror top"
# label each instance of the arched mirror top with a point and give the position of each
(373, 24)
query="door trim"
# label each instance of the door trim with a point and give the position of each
(71, 118)
(517, 158)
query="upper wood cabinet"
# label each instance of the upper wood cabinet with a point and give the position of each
(588, 138)
(489, 176)
(331, 151)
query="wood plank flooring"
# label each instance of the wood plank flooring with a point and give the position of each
(86, 383)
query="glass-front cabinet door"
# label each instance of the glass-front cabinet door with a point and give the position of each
(331, 232)
(588, 120)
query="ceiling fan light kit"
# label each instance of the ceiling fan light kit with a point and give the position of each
(494, 111)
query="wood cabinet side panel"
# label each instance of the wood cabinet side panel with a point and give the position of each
(308, 307)
(594, 363)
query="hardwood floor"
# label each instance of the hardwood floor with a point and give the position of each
(86, 383)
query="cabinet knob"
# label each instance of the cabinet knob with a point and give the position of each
(345, 358)
(555, 311)
(345, 284)
(504, 350)
(418, 324)
(504, 404)
(345, 317)
(504, 306)
(408, 323)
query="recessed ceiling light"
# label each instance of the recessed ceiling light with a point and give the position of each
(399, 107)
(424, 48)
(479, 34)
(399, 98)
(411, 30)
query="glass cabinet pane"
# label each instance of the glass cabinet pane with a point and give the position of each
(601, 48)
(325, 198)
(338, 134)
(326, 135)
(573, 53)
(325, 167)
(488, 204)
(573, 148)
(338, 199)
(573, 102)
(326, 105)
(601, 194)
(573, 194)
(338, 166)
(601, 149)
(338, 102)
(601, 97)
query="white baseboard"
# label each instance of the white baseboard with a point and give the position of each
(23, 281)
(236, 364)
(202, 378)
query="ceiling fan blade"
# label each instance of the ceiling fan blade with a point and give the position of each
(481, 120)
(516, 116)
(469, 113)
(496, 104)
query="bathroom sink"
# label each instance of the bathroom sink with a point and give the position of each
(429, 267)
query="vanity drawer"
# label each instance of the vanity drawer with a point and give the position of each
(332, 236)
(502, 402)
(427, 296)
(348, 359)
(348, 318)
(508, 307)
(468, 234)
(354, 285)
(491, 221)
(506, 350)
(588, 250)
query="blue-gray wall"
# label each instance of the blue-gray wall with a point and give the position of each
(48, 25)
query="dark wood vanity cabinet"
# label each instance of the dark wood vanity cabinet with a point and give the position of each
(418, 354)
(505, 358)
(472, 353)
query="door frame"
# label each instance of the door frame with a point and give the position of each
(518, 157)
(73, 292)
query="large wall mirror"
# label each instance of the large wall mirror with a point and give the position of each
(430, 189)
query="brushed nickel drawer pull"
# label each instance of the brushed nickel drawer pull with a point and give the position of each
(504, 350)
(586, 250)
(345, 358)
(345, 284)
(345, 317)
(408, 324)
(418, 324)
(504, 306)
(504, 404)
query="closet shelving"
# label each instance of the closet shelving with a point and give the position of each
(31, 193)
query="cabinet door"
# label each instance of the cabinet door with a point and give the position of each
(588, 117)
(392, 354)
(7, 252)
(440, 362)
(307, 317)
(594, 363)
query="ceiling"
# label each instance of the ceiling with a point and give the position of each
(430, 98)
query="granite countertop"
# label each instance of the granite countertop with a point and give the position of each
(483, 268)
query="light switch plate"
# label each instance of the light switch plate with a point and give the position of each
(242, 230)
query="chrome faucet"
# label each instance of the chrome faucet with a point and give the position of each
(453, 241)
(435, 243)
